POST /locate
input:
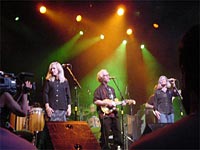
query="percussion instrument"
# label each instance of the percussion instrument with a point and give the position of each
(36, 119)
(95, 126)
(19, 123)
(94, 122)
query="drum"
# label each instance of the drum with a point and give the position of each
(36, 119)
(95, 126)
(94, 122)
(18, 123)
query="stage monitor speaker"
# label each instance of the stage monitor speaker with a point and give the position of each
(72, 135)
(154, 126)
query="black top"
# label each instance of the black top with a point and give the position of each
(4, 117)
(57, 94)
(104, 92)
(163, 101)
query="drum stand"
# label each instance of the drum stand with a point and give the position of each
(35, 138)
(127, 139)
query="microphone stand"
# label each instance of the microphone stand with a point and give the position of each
(122, 111)
(76, 92)
(179, 94)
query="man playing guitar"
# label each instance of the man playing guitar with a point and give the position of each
(105, 99)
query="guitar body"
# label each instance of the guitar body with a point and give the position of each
(107, 110)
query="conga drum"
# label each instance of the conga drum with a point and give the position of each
(18, 123)
(36, 119)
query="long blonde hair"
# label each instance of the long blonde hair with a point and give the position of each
(61, 75)
(168, 85)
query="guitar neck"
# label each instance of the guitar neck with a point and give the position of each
(107, 110)
(119, 103)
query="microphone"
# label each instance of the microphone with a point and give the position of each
(67, 65)
(111, 77)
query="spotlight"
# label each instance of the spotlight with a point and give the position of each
(43, 9)
(81, 32)
(129, 31)
(16, 18)
(155, 25)
(142, 46)
(120, 11)
(124, 42)
(101, 36)
(78, 18)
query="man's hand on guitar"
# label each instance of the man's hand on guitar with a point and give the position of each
(109, 103)
(123, 103)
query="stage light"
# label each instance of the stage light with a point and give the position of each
(120, 11)
(142, 46)
(155, 25)
(43, 9)
(81, 32)
(78, 18)
(129, 31)
(101, 36)
(16, 18)
(124, 42)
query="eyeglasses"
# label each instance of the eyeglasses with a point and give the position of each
(106, 75)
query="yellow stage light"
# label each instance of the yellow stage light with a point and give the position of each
(155, 25)
(129, 31)
(43, 9)
(102, 36)
(78, 18)
(120, 11)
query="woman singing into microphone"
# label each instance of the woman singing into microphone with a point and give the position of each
(163, 106)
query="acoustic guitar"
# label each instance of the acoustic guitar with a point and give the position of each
(107, 110)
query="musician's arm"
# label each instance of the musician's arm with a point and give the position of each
(147, 105)
(103, 103)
